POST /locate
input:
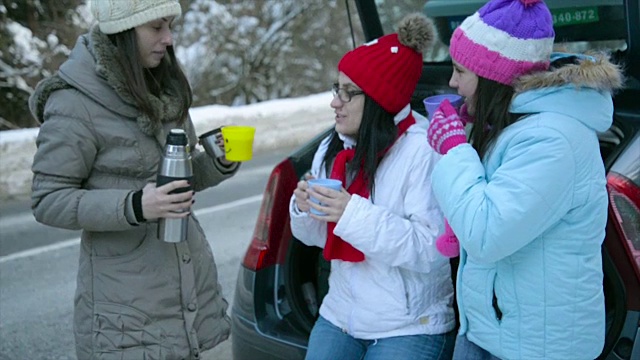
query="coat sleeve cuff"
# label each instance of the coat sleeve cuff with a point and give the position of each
(226, 169)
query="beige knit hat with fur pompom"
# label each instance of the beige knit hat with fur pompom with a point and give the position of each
(115, 16)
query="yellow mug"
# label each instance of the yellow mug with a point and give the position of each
(238, 142)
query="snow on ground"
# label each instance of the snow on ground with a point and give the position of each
(278, 123)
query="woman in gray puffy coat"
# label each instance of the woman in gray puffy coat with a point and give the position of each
(105, 116)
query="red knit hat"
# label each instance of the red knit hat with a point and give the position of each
(388, 68)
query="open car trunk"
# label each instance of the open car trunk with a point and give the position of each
(305, 267)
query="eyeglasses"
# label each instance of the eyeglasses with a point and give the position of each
(344, 95)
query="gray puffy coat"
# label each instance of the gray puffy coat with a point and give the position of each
(137, 297)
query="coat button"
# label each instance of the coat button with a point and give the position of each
(192, 307)
(186, 258)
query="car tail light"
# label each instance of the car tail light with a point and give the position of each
(624, 199)
(272, 224)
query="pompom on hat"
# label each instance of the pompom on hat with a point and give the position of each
(115, 16)
(505, 39)
(388, 68)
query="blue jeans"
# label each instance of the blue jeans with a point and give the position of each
(466, 350)
(329, 342)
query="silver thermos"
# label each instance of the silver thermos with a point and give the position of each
(175, 165)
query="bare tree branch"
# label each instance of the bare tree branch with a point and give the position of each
(8, 124)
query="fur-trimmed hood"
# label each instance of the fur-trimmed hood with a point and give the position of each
(582, 90)
(592, 71)
(92, 69)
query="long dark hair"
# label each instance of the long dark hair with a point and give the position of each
(377, 132)
(167, 77)
(492, 101)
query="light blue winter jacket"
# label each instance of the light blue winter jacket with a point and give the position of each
(531, 219)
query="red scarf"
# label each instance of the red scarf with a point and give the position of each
(336, 248)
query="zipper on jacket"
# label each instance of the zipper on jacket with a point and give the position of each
(351, 316)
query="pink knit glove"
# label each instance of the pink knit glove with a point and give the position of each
(447, 243)
(446, 129)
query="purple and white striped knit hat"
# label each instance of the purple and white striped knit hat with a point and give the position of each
(505, 39)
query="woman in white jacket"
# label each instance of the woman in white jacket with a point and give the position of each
(390, 291)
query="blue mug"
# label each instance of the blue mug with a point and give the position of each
(327, 183)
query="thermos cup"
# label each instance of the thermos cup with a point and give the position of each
(175, 165)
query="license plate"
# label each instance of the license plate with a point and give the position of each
(574, 16)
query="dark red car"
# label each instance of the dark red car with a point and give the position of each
(281, 281)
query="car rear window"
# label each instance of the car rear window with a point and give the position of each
(580, 25)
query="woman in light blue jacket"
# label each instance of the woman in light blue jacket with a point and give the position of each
(527, 198)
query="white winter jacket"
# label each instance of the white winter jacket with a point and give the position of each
(403, 287)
